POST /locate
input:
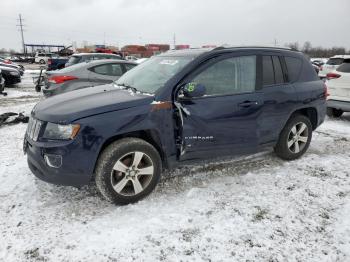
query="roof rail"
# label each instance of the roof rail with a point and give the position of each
(272, 47)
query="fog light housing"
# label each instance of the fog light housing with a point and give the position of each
(54, 161)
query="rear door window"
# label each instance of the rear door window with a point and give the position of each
(293, 67)
(108, 69)
(268, 72)
(279, 79)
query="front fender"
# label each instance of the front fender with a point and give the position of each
(98, 129)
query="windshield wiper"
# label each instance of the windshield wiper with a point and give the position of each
(128, 87)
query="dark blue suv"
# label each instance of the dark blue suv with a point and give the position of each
(177, 108)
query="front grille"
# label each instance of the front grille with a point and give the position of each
(33, 128)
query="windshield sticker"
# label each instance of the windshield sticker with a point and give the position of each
(169, 62)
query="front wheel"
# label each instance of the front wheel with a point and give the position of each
(295, 138)
(334, 113)
(128, 170)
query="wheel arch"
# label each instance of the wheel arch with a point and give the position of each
(309, 112)
(150, 136)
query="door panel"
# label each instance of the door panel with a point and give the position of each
(224, 121)
(221, 125)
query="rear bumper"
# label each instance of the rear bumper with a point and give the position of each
(342, 105)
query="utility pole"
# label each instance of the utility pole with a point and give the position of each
(21, 28)
(174, 39)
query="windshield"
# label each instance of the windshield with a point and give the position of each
(151, 75)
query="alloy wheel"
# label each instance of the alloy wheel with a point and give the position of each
(132, 173)
(298, 138)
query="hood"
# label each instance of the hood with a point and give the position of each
(71, 106)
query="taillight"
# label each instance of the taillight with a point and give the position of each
(7, 61)
(49, 61)
(333, 76)
(61, 79)
(326, 91)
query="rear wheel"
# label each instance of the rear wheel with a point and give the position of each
(295, 138)
(42, 61)
(332, 112)
(128, 170)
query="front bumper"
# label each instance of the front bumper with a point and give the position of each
(342, 105)
(75, 169)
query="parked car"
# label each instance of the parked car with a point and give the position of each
(20, 68)
(11, 75)
(9, 62)
(332, 64)
(339, 90)
(84, 75)
(42, 58)
(85, 57)
(177, 108)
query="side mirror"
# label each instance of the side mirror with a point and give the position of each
(192, 90)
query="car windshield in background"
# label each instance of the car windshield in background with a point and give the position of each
(335, 61)
(73, 59)
(151, 75)
(345, 67)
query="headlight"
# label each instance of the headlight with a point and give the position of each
(14, 73)
(61, 132)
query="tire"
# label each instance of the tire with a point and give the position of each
(334, 113)
(295, 138)
(118, 179)
(42, 61)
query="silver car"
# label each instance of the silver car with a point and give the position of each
(84, 75)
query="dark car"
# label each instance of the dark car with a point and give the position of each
(2, 83)
(84, 75)
(11, 75)
(8, 63)
(177, 108)
(85, 57)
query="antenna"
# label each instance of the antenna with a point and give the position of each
(21, 25)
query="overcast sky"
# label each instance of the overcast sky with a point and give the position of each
(195, 22)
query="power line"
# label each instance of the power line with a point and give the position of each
(21, 28)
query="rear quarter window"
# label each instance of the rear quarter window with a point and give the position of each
(294, 66)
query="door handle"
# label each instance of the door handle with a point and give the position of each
(248, 104)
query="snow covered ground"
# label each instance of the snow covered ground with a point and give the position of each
(256, 208)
